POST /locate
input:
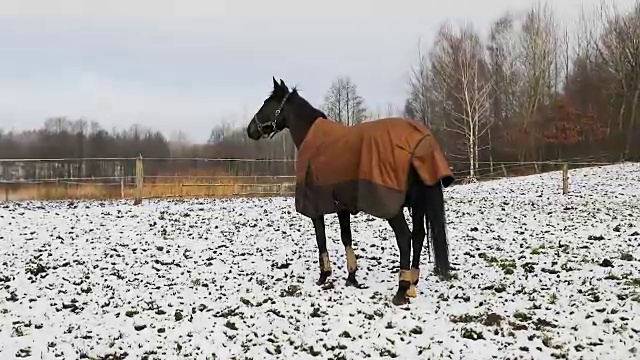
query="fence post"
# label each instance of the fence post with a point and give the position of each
(122, 188)
(139, 181)
(565, 179)
(6, 192)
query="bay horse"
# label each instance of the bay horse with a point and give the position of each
(377, 167)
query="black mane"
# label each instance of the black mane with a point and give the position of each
(310, 110)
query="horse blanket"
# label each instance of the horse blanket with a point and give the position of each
(365, 167)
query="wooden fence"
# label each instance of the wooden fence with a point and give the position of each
(142, 178)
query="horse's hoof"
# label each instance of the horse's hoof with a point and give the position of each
(323, 279)
(399, 299)
(351, 280)
(443, 275)
(328, 286)
(412, 292)
(355, 284)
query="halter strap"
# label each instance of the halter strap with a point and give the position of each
(273, 123)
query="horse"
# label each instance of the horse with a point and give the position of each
(378, 167)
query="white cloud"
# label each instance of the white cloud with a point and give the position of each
(183, 64)
(362, 9)
(114, 104)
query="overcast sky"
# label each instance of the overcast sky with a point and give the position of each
(188, 64)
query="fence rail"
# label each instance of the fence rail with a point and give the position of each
(139, 178)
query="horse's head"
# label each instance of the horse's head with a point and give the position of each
(270, 119)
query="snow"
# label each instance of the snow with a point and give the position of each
(540, 276)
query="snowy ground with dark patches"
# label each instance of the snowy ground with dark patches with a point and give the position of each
(541, 276)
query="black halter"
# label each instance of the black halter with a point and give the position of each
(273, 123)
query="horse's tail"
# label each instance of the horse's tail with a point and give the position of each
(436, 222)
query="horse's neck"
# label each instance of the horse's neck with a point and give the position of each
(304, 120)
(299, 132)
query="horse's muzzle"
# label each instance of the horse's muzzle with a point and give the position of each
(252, 131)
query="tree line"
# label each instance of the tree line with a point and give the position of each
(529, 91)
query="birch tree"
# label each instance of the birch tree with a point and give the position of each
(343, 103)
(462, 83)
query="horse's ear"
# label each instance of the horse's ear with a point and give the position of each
(283, 86)
(275, 83)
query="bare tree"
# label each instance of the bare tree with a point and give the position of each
(391, 111)
(617, 48)
(57, 125)
(219, 133)
(375, 114)
(527, 57)
(179, 144)
(538, 53)
(463, 85)
(507, 78)
(506, 69)
(343, 103)
(417, 104)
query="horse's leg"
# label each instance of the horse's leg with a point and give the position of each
(403, 237)
(321, 239)
(344, 217)
(417, 240)
(434, 198)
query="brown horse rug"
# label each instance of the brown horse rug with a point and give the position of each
(365, 167)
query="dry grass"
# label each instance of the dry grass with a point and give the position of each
(161, 188)
(191, 183)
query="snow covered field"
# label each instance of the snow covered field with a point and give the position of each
(541, 276)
